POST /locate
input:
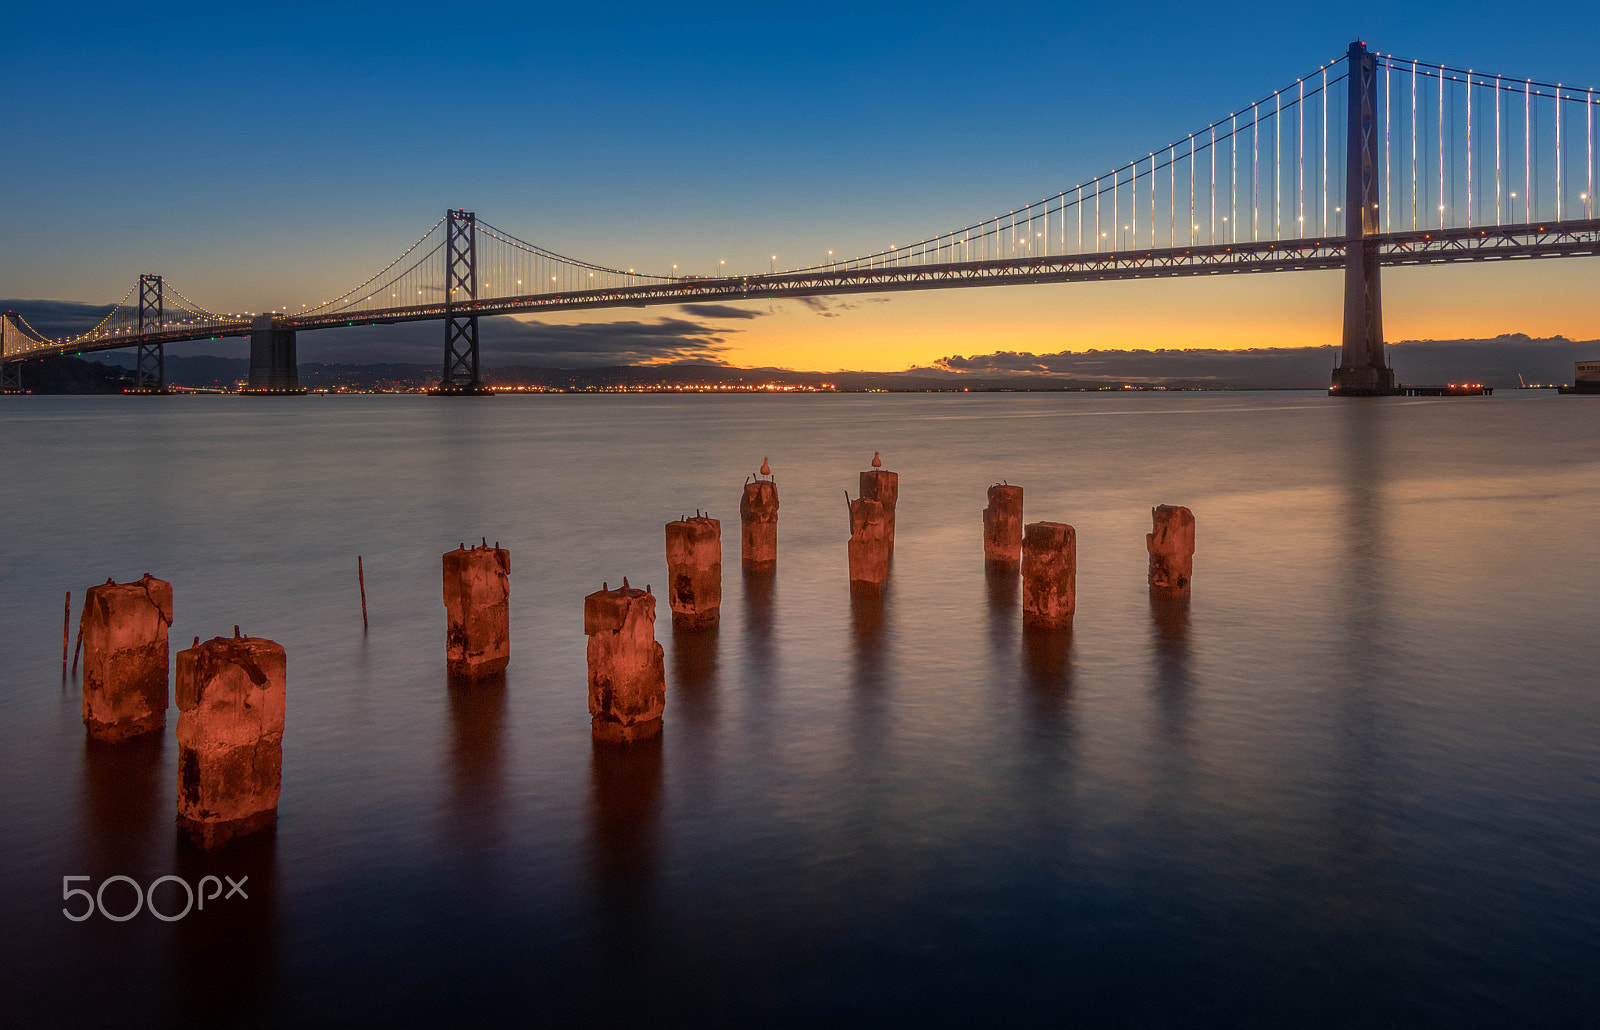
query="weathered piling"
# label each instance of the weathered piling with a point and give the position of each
(230, 736)
(694, 571)
(883, 486)
(1049, 574)
(758, 525)
(870, 547)
(124, 629)
(627, 668)
(1171, 546)
(477, 600)
(1002, 524)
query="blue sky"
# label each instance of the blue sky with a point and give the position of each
(255, 155)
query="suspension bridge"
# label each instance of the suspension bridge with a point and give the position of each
(1371, 160)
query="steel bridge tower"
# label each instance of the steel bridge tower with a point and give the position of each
(1363, 369)
(10, 371)
(460, 377)
(150, 368)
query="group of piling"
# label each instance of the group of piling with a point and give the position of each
(230, 705)
(231, 691)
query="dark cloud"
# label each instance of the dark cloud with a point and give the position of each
(58, 317)
(510, 341)
(719, 311)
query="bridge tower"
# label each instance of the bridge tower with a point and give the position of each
(460, 378)
(10, 371)
(150, 368)
(1363, 369)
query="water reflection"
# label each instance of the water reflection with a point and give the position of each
(1174, 679)
(624, 824)
(760, 602)
(1003, 585)
(694, 675)
(127, 803)
(477, 759)
(1047, 675)
(225, 954)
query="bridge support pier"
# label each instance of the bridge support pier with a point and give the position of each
(1363, 369)
(273, 367)
(11, 377)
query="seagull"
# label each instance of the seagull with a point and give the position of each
(877, 462)
(766, 470)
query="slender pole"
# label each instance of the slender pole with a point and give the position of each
(361, 579)
(1558, 152)
(1300, 160)
(1388, 151)
(66, 630)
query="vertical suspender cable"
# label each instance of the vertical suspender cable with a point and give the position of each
(1497, 150)
(1559, 180)
(1300, 160)
(1527, 151)
(1441, 147)
(1277, 165)
(1469, 147)
(1413, 145)
(1322, 228)
(1233, 179)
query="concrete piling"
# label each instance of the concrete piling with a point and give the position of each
(1171, 546)
(230, 737)
(627, 669)
(1049, 574)
(124, 629)
(477, 600)
(758, 525)
(1002, 524)
(883, 486)
(694, 571)
(870, 546)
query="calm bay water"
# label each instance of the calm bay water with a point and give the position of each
(1356, 781)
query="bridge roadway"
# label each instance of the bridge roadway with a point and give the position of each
(1568, 238)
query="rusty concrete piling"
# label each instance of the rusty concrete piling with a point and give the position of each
(1171, 546)
(627, 668)
(1049, 574)
(883, 486)
(694, 571)
(1002, 525)
(124, 631)
(477, 600)
(869, 548)
(758, 525)
(230, 736)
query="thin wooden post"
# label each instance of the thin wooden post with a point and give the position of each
(361, 578)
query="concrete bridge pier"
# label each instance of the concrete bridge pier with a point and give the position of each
(273, 366)
(1363, 369)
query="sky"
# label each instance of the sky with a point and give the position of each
(256, 154)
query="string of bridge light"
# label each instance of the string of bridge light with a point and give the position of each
(380, 273)
(1445, 79)
(1095, 192)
